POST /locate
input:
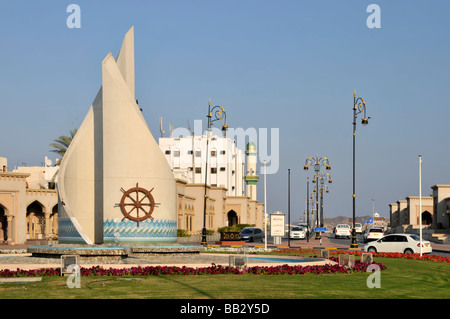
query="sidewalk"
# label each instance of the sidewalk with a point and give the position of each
(313, 243)
(325, 243)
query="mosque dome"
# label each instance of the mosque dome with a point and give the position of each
(251, 148)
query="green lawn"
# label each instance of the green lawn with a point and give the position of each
(402, 279)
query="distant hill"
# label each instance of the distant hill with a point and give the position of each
(329, 223)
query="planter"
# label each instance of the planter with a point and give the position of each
(230, 236)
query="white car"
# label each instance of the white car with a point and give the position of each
(343, 230)
(373, 234)
(358, 228)
(298, 232)
(399, 243)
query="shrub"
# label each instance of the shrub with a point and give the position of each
(182, 233)
(236, 228)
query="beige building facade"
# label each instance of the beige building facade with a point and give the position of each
(221, 210)
(435, 212)
(26, 213)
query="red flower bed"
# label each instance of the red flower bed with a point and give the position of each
(299, 252)
(211, 270)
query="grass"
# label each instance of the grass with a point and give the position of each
(403, 279)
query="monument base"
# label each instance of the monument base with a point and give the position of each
(105, 253)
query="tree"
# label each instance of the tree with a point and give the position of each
(61, 144)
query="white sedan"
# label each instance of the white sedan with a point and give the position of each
(399, 243)
(298, 232)
(372, 234)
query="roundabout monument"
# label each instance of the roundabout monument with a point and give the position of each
(115, 188)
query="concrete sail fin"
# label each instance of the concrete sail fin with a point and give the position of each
(114, 151)
(125, 60)
(132, 157)
(76, 183)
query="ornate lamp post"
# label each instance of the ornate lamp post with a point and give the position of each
(317, 163)
(217, 113)
(359, 106)
(323, 186)
(307, 209)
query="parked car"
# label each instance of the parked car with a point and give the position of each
(399, 243)
(252, 234)
(343, 230)
(373, 234)
(298, 232)
(305, 226)
(358, 228)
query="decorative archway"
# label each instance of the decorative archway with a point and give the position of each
(35, 221)
(427, 218)
(3, 225)
(232, 218)
(53, 224)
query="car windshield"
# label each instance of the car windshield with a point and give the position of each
(246, 231)
(358, 225)
(376, 230)
(297, 228)
(415, 237)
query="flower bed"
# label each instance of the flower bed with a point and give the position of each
(299, 252)
(211, 270)
(218, 269)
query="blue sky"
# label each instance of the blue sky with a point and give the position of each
(292, 65)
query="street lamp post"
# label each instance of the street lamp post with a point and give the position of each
(322, 178)
(217, 113)
(357, 109)
(420, 203)
(317, 163)
(307, 209)
(313, 209)
(289, 208)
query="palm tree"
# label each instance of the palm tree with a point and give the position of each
(61, 144)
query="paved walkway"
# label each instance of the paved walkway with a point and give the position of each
(26, 261)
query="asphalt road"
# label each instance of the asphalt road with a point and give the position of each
(328, 240)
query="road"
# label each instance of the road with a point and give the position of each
(329, 241)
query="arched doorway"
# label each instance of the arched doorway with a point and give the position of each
(35, 221)
(54, 222)
(232, 218)
(427, 218)
(3, 225)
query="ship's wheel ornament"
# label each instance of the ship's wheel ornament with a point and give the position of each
(137, 204)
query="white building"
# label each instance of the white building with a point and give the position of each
(41, 177)
(187, 157)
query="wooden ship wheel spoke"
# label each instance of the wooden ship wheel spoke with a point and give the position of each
(137, 204)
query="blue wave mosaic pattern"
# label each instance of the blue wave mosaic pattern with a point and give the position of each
(67, 231)
(147, 231)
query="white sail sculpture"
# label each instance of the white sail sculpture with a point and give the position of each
(115, 186)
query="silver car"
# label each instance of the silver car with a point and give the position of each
(399, 243)
(252, 234)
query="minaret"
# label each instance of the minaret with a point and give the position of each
(251, 178)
